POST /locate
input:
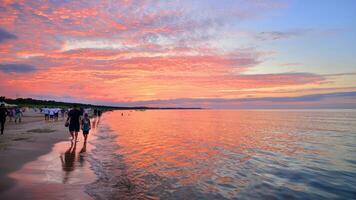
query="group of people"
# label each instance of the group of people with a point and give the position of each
(53, 113)
(76, 119)
(79, 119)
(15, 113)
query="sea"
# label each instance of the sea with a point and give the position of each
(223, 154)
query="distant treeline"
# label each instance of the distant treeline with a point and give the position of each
(29, 102)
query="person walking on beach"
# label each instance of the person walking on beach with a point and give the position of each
(86, 126)
(18, 115)
(10, 114)
(51, 114)
(13, 112)
(56, 113)
(3, 113)
(45, 110)
(62, 112)
(74, 119)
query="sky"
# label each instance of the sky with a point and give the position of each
(181, 53)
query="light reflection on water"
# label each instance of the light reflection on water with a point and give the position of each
(217, 154)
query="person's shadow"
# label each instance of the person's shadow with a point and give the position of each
(68, 160)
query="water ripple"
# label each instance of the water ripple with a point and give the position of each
(217, 154)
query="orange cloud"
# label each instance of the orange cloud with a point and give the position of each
(125, 50)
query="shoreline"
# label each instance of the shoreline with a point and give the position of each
(25, 142)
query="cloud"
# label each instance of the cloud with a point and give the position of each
(92, 44)
(4, 35)
(279, 35)
(290, 64)
(315, 100)
(17, 68)
(136, 50)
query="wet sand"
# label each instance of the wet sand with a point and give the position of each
(34, 161)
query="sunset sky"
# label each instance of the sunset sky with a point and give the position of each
(206, 53)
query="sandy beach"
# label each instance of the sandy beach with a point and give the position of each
(23, 168)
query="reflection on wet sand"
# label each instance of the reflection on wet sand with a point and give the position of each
(73, 160)
(81, 154)
(69, 158)
(95, 122)
(65, 168)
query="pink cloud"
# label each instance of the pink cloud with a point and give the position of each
(135, 51)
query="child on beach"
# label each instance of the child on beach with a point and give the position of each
(86, 126)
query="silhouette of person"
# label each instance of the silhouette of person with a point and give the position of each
(74, 119)
(3, 113)
(18, 115)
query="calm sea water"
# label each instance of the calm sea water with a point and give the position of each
(225, 154)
